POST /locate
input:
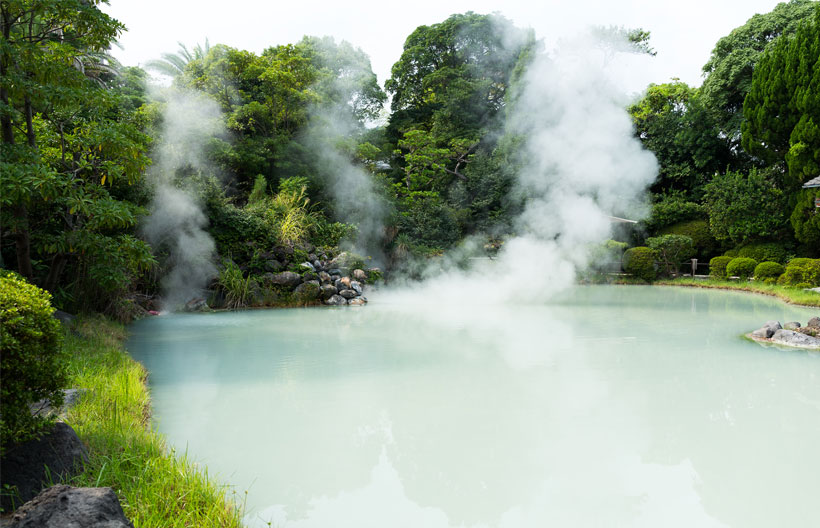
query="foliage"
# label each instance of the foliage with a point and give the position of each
(764, 251)
(156, 485)
(742, 267)
(173, 64)
(238, 290)
(801, 271)
(785, 293)
(768, 270)
(640, 262)
(33, 364)
(698, 230)
(805, 218)
(717, 266)
(782, 108)
(672, 208)
(743, 207)
(672, 250)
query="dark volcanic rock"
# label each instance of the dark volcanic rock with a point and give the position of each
(64, 317)
(814, 322)
(357, 287)
(24, 465)
(336, 300)
(767, 330)
(324, 277)
(273, 265)
(358, 301)
(328, 290)
(348, 294)
(286, 278)
(66, 507)
(308, 290)
(794, 325)
(196, 305)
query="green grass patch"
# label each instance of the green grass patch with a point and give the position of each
(790, 295)
(156, 486)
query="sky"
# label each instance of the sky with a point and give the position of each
(683, 33)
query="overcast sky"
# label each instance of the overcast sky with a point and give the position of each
(683, 33)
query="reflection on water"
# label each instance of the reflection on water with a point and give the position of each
(614, 406)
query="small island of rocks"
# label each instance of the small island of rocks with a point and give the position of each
(790, 334)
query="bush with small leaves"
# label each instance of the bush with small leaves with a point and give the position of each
(640, 262)
(768, 270)
(742, 267)
(717, 266)
(801, 272)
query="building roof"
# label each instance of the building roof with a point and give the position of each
(814, 182)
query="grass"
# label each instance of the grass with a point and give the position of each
(155, 485)
(790, 295)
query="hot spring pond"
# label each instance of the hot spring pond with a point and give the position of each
(611, 407)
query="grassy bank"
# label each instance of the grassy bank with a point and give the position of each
(790, 295)
(156, 486)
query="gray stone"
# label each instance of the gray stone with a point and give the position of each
(324, 277)
(327, 291)
(795, 339)
(317, 265)
(356, 286)
(334, 271)
(814, 322)
(767, 330)
(345, 282)
(336, 300)
(64, 317)
(308, 290)
(309, 276)
(70, 399)
(24, 465)
(67, 507)
(308, 266)
(273, 265)
(348, 294)
(343, 260)
(286, 278)
(358, 301)
(359, 275)
(793, 325)
(196, 305)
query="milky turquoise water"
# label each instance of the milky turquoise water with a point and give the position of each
(611, 407)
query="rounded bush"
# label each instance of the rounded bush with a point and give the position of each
(768, 270)
(764, 252)
(741, 267)
(698, 230)
(717, 266)
(801, 271)
(732, 253)
(640, 262)
(32, 366)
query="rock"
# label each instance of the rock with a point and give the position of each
(334, 271)
(336, 300)
(357, 287)
(809, 331)
(310, 276)
(64, 506)
(317, 265)
(24, 465)
(814, 322)
(348, 294)
(359, 275)
(273, 265)
(307, 290)
(345, 281)
(312, 257)
(307, 265)
(767, 330)
(196, 305)
(793, 325)
(327, 291)
(324, 277)
(64, 317)
(286, 278)
(344, 259)
(70, 399)
(791, 338)
(358, 301)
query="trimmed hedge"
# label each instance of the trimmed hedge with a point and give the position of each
(640, 262)
(717, 266)
(768, 270)
(742, 267)
(32, 365)
(803, 272)
(764, 252)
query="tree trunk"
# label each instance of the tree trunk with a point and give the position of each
(57, 265)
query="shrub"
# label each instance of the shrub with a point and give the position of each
(764, 252)
(768, 270)
(238, 290)
(698, 230)
(32, 365)
(672, 249)
(640, 262)
(741, 267)
(717, 266)
(801, 272)
(731, 253)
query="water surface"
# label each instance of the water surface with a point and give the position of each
(612, 407)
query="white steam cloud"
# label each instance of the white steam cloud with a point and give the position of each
(580, 165)
(177, 223)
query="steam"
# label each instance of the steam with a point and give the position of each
(579, 165)
(177, 223)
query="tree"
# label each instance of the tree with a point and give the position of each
(173, 64)
(733, 60)
(672, 250)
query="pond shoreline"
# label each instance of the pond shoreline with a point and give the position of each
(796, 297)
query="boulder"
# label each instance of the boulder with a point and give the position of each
(24, 465)
(336, 300)
(344, 259)
(345, 282)
(307, 290)
(793, 325)
(309, 276)
(317, 265)
(814, 322)
(796, 339)
(334, 271)
(307, 265)
(359, 275)
(324, 277)
(196, 305)
(64, 506)
(358, 301)
(273, 265)
(348, 294)
(357, 287)
(327, 291)
(70, 399)
(286, 278)
(767, 330)
(64, 317)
